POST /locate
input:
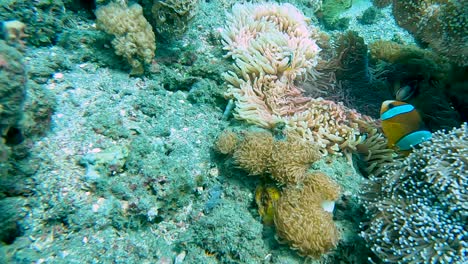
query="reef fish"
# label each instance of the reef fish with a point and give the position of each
(266, 196)
(402, 125)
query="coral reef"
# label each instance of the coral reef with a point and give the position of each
(128, 174)
(157, 182)
(134, 37)
(303, 219)
(442, 24)
(418, 210)
(274, 49)
(302, 211)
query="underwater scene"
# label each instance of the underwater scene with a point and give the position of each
(224, 131)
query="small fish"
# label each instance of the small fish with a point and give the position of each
(402, 125)
(266, 197)
(290, 60)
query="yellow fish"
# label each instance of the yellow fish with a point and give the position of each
(266, 196)
(402, 125)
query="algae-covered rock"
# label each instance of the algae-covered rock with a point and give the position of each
(39, 106)
(9, 219)
(105, 162)
(330, 12)
(206, 91)
(13, 151)
(369, 16)
(44, 62)
(44, 19)
(381, 3)
(12, 87)
(170, 18)
(12, 95)
(108, 124)
(229, 232)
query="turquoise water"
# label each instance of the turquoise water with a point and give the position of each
(171, 131)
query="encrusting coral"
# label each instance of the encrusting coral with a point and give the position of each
(419, 209)
(134, 37)
(273, 48)
(303, 215)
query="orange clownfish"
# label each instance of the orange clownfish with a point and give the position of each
(402, 125)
